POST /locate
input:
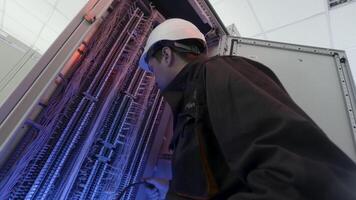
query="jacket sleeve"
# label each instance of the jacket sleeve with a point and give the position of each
(272, 148)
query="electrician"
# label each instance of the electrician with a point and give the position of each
(237, 132)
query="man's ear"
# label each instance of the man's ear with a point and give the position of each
(167, 56)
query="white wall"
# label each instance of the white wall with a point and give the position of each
(27, 29)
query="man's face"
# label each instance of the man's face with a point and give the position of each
(162, 68)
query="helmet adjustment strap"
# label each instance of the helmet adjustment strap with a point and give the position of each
(180, 47)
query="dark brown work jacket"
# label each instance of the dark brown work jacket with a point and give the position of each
(239, 135)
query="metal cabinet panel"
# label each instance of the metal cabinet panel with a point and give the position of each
(319, 80)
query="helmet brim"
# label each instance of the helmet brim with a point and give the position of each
(143, 64)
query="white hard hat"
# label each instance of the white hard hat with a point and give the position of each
(172, 30)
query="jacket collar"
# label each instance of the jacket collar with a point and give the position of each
(174, 92)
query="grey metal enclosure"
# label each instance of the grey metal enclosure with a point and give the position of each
(319, 80)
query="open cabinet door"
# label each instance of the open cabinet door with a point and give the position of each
(318, 79)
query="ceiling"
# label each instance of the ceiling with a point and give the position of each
(300, 22)
(37, 23)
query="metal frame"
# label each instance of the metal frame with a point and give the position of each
(207, 13)
(348, 88)
(229, 46)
